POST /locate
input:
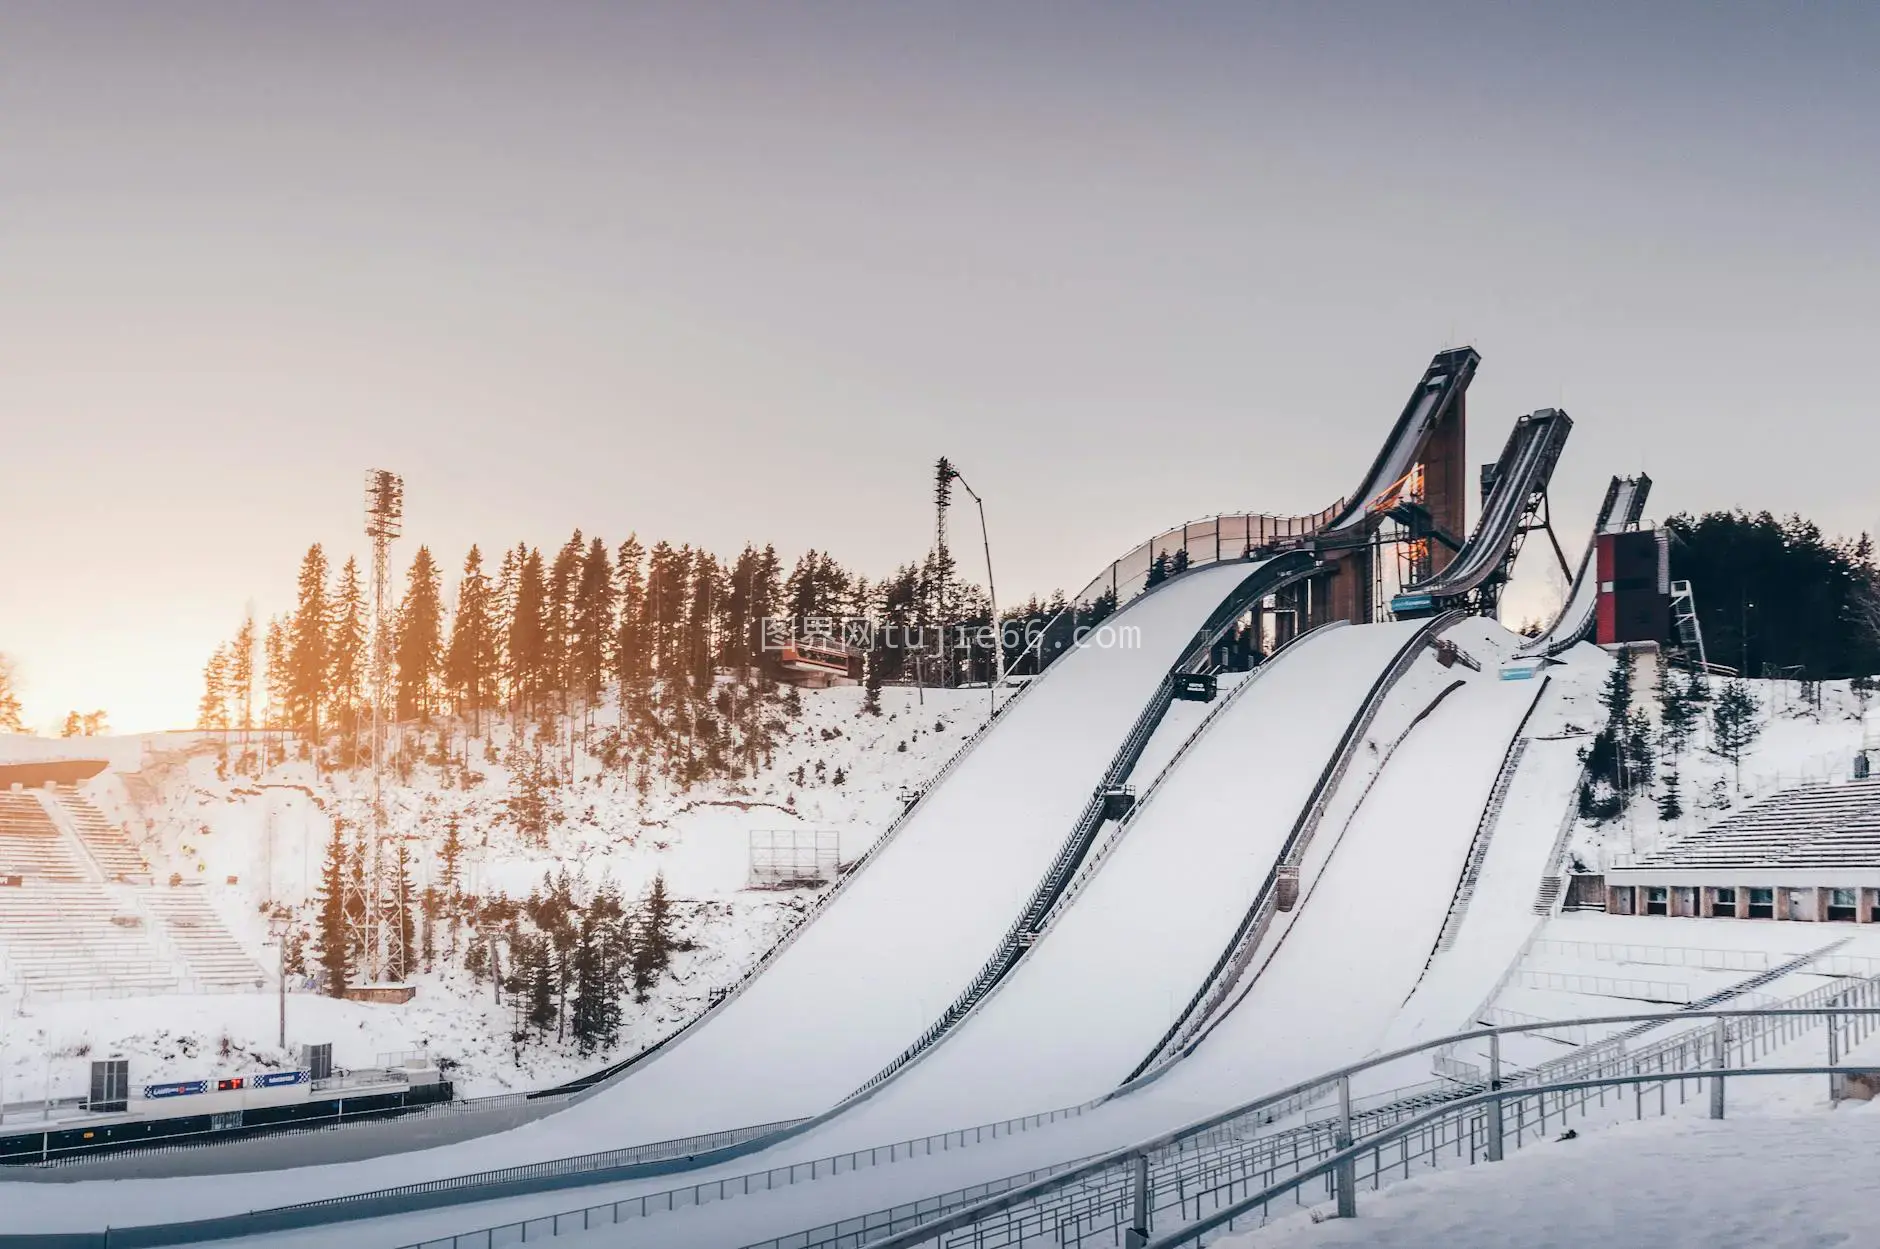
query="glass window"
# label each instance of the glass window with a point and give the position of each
(1841, 897)
(1655, 894)
(1726, 896)
(1762, 897)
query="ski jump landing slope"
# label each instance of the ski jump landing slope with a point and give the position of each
(1107, 976)
(1368, 920)
(1500, 917)
(906, 936)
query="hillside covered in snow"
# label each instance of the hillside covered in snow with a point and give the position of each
(529, 814)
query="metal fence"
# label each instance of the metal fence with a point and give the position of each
(1209, 540)
(606, 1213)
(1234, 1170)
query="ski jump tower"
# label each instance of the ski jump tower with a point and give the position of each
(1420, 480)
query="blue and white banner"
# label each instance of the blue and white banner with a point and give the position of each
(189, 1088)
(181, 1088)
(277, 1079)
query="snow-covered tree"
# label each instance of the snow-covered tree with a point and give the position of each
(1735, 725)
(333, 940)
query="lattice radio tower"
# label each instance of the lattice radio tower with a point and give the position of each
(385, 516)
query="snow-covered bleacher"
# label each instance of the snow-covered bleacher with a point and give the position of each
(1820, 826)
(79, 940)
(216, 960)
(108, 845)
(31, 844)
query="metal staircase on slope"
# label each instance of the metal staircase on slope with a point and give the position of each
(1485, 832)
(1096, 857)
(1478, 848)
(1554, 881)
(1270, 577)
(1549, 896)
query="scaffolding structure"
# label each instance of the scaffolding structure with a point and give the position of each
(793, 858)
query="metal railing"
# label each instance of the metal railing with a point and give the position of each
(1096, 858)
(1017, 939)
(1217, 1173)
(1485, 832)
(1215, 986)
(1552, 887)
(1208, 540)
(604, 1213)
(1659, 955)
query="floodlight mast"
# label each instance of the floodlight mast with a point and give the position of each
(992, 594)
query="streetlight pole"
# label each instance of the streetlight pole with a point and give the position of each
(279, 929)
(992, 595)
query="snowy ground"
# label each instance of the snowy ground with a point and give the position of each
(270, 834)
(1797, 1180)
(1799, 744)
(1133, 1118)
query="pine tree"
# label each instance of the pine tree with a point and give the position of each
(349, 661)
(1671, 802)
(420, 639)
(1677, 715)
(10, 718)
(1734, 725)
(1616, 696)
(871, 687)
(307, 649)
(564, 580)
(527, 654)
(701, 616)
(212, 711)
(471, 664)
(652, 953)
(275, 649)
(356, 910)
(335, 937)
(241, 677)
(599, 966)
(665, 606)
(399, 903)
(429, 907)
(450, 878)
(295, 956)
(540, 985)
(1158, 570)
(591, 626)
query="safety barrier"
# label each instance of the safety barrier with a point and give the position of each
(1207, 1179)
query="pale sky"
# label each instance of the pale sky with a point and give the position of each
(718, 273)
